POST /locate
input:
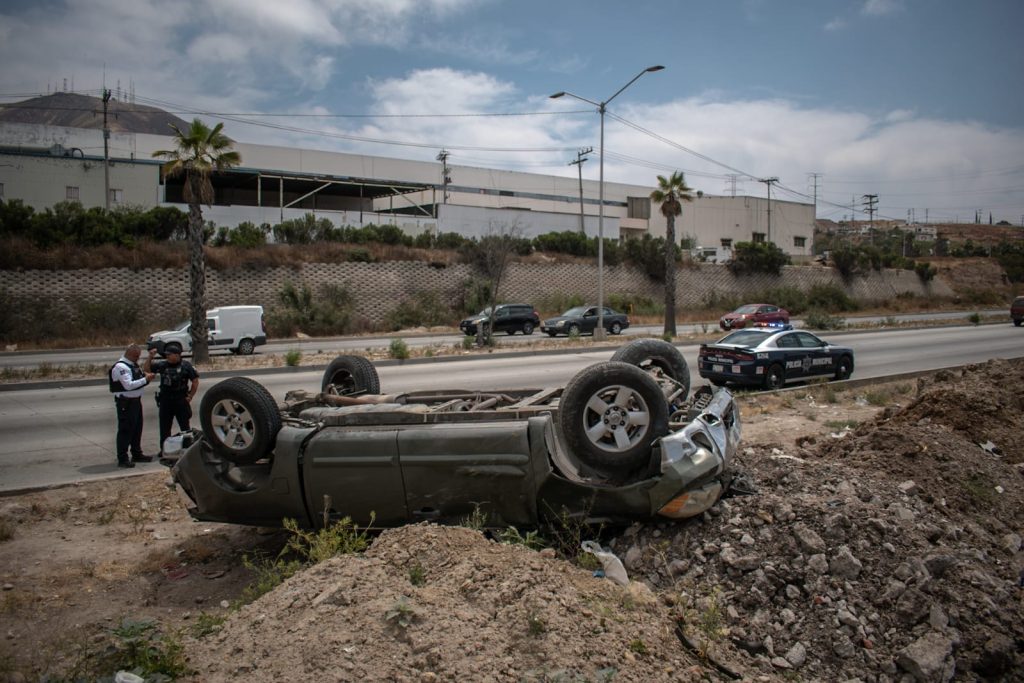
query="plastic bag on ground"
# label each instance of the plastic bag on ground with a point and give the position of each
(611, 564)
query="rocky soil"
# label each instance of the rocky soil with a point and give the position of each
(862, 542)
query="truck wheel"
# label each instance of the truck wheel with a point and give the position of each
(610, 415)
(240, 420)
(246, 347)
(650, 354)
(350, 375)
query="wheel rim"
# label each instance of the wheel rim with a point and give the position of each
(574, 329)
(616, 328)
(616, 419)
(342, 380)
(246, 347)
(775, 379)
(527, 328)
(233, 424)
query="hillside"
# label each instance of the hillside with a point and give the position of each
(82, 111)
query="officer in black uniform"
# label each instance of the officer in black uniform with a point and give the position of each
(179, 382)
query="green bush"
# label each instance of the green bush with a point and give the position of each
(830, 298)
(306, 230)
(717, 301)
(426, 308)
(328, 312)
(246, 235)
(925, 271)
(648, 254)
(757, 257)
(398, 349)
(817, 319)
(790, 298)
(634, 304)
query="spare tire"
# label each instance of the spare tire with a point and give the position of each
(240, 420)
(656, 353)
(610, 415)
(351, 375)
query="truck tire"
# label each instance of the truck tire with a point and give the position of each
(648, 354)
(240, 420)
(351, 375)
(610, 414)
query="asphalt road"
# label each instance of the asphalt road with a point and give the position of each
(340, 345)
(59, 435)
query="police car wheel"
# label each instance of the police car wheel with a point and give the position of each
(656, 354)
(610, 415)
(240, 420)
(845, 368)
(775, 378)
(350, 375)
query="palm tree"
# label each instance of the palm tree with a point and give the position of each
(671, 193)
(199, 151)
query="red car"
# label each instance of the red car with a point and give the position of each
(1017, 310)
(750, 315)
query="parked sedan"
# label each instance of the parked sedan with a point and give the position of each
(772, 357)
(1017, 311)
(623, 440)
(750, 315)
(583, 320)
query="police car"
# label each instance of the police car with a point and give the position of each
(771, 356)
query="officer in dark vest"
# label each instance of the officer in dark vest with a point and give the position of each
(127, 382)
(179, 382)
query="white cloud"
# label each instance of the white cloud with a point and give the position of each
(878, 8)
(837, 24)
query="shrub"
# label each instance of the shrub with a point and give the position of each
(757, 257)
(398, 349)
(426, 308)
(925, 271)
(292, 358)
(790, 298)
(634, 304)
(329, 312)
(648, 253)
(817, 319)
(830, 298)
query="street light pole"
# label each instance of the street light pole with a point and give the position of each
(599, 331)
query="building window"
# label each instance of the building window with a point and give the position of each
(799, 242)
(71, 193)
(726, 243)
(116, 196)
(759, 237)
(638, 207)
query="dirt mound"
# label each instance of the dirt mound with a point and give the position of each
(431, 603)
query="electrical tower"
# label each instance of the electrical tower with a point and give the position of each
(731, 188)
(581, 157)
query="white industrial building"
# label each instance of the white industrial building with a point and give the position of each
(43, 165)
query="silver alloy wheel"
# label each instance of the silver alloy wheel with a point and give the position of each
(233, 424)
(616, 418)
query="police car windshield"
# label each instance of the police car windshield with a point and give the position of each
(745, 337)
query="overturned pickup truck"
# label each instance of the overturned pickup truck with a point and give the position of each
(623, 440)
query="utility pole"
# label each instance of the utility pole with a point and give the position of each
(581, 157)
(814, 183)
(871, 202)
(106, 151)
(446, 179)
(768, 182)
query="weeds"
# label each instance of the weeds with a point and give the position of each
(535, 625)
(567, 533)
(142, 649)
(468, 343)
(878, 398)
(402, 615)
(269, 573)
(974, 318)
(6, 530)
(341, 538)
(705, 617)
(476, 520)
(511, 536)
(398, 349)
(980, 488)
(206, 624)
(292, 358)
(417, 575)
(638, 646)
(840, 425)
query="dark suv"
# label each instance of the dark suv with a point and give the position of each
(509, 318)
(1017, 310)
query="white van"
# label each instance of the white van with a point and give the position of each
(239, 329)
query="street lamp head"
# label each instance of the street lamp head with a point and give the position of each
(557, 95)
(654, 68)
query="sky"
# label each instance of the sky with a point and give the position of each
(920, 102)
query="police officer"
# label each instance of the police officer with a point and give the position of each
(127, 382)
(179, 382)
